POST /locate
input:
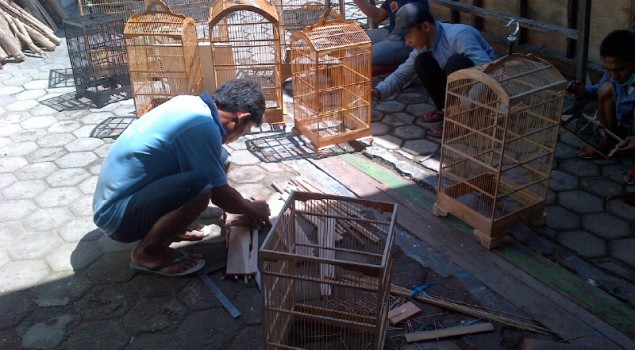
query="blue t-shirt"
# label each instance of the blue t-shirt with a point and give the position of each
(393, 5)
(180, 135)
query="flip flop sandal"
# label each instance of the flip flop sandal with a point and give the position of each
(432, 117)
(629, 178)
(437, 133)
(157, 269)
(587, 153)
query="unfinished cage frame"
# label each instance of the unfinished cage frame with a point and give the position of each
(500, 132)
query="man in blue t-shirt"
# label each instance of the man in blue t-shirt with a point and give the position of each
(163, 170)
(389, 47)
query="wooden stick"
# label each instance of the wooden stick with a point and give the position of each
(9, 42)
(38, 37)
(448, 332)
(17, 12)
(3, 55)
(23, 36)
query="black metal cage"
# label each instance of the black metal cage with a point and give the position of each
(97, 51)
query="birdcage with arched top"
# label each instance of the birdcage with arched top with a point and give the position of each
(499, 137)
(245, 44)
(163, 57)
(331, 66)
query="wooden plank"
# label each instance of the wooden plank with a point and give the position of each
(403, 312)
(520, 288)
(448, 332)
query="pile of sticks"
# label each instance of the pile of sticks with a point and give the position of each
(21, 30)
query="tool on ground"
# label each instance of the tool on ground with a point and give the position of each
(227, 304)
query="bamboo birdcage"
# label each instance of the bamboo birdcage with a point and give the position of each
(500, 131)
(245, 44)
(331, 66)
(326, 267)
(163, 56)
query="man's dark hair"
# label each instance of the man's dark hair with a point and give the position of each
(241, 95)
(423, 15)
(619, 44)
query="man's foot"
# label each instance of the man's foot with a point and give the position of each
(432, 117)
(629, 178)
(436, 132)
(587, 152)
(170, 263)
(195, 232)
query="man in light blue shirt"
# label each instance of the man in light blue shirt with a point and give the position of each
(163, 170)
(439, 50)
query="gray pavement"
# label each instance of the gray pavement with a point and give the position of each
(63, 284)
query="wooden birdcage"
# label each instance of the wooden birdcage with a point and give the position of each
(326, 266)
(195, 9)
(499, 136)
(163, 56)
(118, 8)
(331, 66)
(97, 51)
(245, 43)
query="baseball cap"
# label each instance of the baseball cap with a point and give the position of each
(410, 14)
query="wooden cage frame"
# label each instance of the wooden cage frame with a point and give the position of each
(227, 60)
(163, 56)
(331, 63)
(326, 267)
(500, 132)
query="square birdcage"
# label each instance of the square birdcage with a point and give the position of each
(97, 51)
(499, 137)
(331, 67)
(245, 43)
(326, 267)
(163, 56)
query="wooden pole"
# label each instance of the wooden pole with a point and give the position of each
(9, 42)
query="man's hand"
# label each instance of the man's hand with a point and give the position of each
(628, 145)
(260, 213)
(375, 94)
(576, 89)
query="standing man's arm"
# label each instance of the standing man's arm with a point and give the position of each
(376, 14)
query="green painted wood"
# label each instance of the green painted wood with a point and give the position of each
(592, 299)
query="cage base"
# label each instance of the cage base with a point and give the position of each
(105, 91)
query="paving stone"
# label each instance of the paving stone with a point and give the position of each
(79, 229)
(96, 118)
(67, 177)
(30, 95)
(379, 129)
(244, 157)
(18, 106)
(76, 160)
(606, 226)
(19, 275)
(102, 150)
(566, 137)
(73, 256)
(34, 245)
(16, 118)
(109, 245)
(375, 116)
(581, 202)
(273, 167)
(418, 110)
(389, 106)
(10, 231)
(63, 126)
(35, 171)
(60, 289)
(7, 179)
(13, 210)
(124, 111)
(88, 186)
(18, 149)
(4, 141)
(15, 306)
(9, 129)
(102, 335)
(411, 98)
(528, 236)
(4, 259)
(622, 250)
(48, 334)
(162, 314)
(420, 147)
(398, 119)
(621, 209)
(584, 243)
(246, 174)
(36, 84)
(10, 90)
(10, 164)
(561, 219)
(601, 186)
(561, 181)
(409, 132)
(82, 206)
(617, 268)
(614, 172)
(58, 197)
(24, 189)
(84, 131)
(18, 81)
(565, 151)
(80, 145)
(388, 142)
(46, 154)
(95, 168)
(579, 167)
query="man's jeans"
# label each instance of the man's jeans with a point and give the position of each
(388, 49)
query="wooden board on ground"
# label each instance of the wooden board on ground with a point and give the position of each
(403, 312)
(448, 332)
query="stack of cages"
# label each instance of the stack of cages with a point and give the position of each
(295, 15)
(97, 51)
(331, 66)
(245, 44)
(500, 131)
(326, 267)
(163, 56)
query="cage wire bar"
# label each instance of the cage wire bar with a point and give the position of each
(163, 56)
(331, 66)
(97, 51)
(326, 267)
(500, 131)
(245, 43)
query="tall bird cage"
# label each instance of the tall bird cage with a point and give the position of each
(163, 56)
(326, 267)
(295, 15)
(331, 66)
(500, 132)
(245, 43)
(97, 51)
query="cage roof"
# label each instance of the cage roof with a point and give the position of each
(157, 22)
(223, 7)
(331, 34)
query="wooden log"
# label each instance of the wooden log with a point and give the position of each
(39, 38)
(35, 9)
(17, 12)
(3, 56)
(23, 36)
(59, 11)
(9, 42)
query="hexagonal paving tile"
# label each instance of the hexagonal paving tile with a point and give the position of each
(79, 229)
(102, 150)
(60, 288)
(73, 256)
(34, 245)
(46, 219)
(45, 155)
(76, 160)
(41, 122)
(388, 142)
(28, 135)
(58, 197)
(389, 106)
(244, 157)
(409, 132)
(606, 226)
(583, 243)
(80, 145)
(7, 179)
(9, 231)
(380, 128)
(36, 84)
(10, 164)
(18, 275)
(579, 167)
(84, 131)
(581, 202)
(246, 174)
(622, 249)
(18, 149)
(35, 171)
(561, 219)
(10, 129)
(24, 189)
(56, 140)
(420, 147)
(13, 210)
(561, 181)
(18, 106)
(601, 186)
(83, 206)
(88, 185)
(10, 90)
(30, 95)
(398, 119)
(63, 126)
